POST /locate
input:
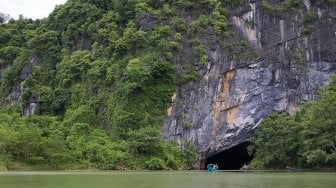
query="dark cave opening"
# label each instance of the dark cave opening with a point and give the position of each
(231, 159)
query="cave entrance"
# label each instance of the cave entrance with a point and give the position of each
(231, 159)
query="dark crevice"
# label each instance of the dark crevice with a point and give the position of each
(231, 159)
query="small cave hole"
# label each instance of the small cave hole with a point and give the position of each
(231, 159)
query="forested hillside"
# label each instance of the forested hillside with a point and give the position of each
(99, 76)
(89, 86)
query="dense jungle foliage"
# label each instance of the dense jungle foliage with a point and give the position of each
(102, 82)
(101, 74)
(304, 140)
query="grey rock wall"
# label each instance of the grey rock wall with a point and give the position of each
(222, 110)
(15, 97)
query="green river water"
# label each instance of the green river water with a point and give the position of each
(166, 179)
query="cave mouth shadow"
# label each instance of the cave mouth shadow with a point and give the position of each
(231, 159)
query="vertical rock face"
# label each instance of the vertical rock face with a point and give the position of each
(234, 95)
(15, 97)
(31, 109)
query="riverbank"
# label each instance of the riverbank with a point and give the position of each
(21, 167)
(28, 169)
(17, 167)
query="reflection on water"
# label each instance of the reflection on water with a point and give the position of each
(165, 180)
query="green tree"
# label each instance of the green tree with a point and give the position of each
(319, 122)
(276, 144)
(305, 140)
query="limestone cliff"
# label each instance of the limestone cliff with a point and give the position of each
(294, 57)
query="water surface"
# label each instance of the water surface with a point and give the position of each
(166, 180)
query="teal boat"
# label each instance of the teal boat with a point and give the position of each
(212, 167)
